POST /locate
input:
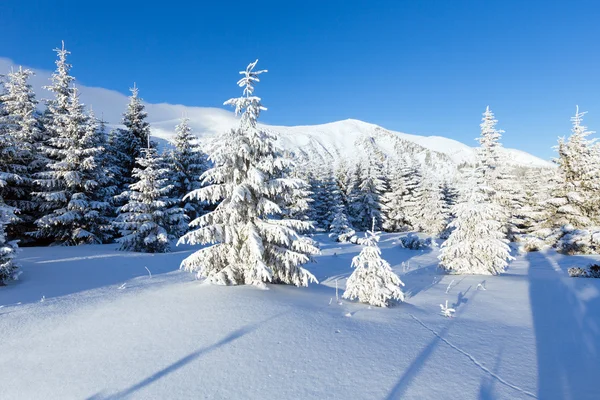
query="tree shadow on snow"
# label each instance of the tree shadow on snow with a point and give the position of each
(183, 361)
(420, 280)
(566, 317)
(486, 388)
(413, 370)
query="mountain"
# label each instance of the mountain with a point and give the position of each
(328, 142)
(350, 139)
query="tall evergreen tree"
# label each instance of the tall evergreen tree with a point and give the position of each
(367, 201)
(476, 244)
(126, 145)
(22, 126)
(432, 215)
(249, 179)
(71, 185)
(150, 219)
(188, 163)
(394, 213)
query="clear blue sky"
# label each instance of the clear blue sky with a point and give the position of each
(424, 67)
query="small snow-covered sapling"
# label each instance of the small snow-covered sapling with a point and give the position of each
(447, 311)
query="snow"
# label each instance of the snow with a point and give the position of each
(107, 329)
(336, 139)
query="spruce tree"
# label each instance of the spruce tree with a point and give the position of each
(394, 214)
(9, 270)
(373, 281)
(367, 201)
(22, 126)
(73, 187)
(476, 244)
(150, 218)
(432, 216)
(250, 243)
(188, 163)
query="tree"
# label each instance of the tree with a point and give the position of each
(366, 203)
(477, 244)
(373, 281)
(412, 201)
(188, 164)
(22, 127)
(394, 213)
(432, 215)
(150, 219)
(8, 269)
(127, 144)
(250, 244)
(72, 187)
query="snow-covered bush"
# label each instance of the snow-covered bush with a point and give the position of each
(579, 241)
(414, 242)
(591, 271)
(341, 229)
(373, 281)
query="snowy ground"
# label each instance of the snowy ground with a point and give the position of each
(90, 323)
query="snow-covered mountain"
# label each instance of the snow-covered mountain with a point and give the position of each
(349, 139)
(329, 142)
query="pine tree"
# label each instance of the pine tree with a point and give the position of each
(432, 215)
(367, 201)
(75, 214)
(127, 145)
(325, 197)
(249, 179)
(477, 244)
(413, 199)
(8, 269)
(22, 125)
(495, 175)
(373, 281)
(450, 198)
(188, 164)
(394, 215)
(150, 219)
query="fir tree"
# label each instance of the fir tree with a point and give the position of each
(188, 163)
(8, 269)
(150, 219)
(394, 215)
(367, 201)
(126, 145)
(23, 128)
(73, 185)
(249, 179)
(412, 202)
(477, 244)
(373, 281)
(432, 215)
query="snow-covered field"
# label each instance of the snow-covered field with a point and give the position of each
(90, 322)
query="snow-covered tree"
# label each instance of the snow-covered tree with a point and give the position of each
(127, 145)
(150, 219)
(477, 244)
(21, 123)
(8, 268)
(432, 217)
(325, 197)
(373, 281)
(366, 201)
(73, 186)
(412, 200)
(250, 244)
(188, 163)
(394, 216)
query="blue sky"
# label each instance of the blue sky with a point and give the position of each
(423, 67)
